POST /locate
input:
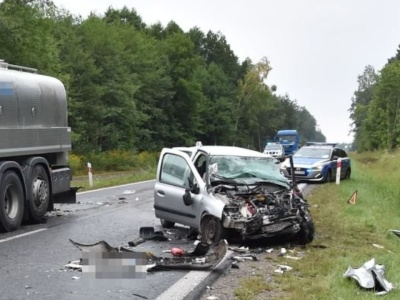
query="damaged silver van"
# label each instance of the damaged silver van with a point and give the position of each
(219, 190)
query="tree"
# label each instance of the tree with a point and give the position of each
(385, 106)
(359, 107)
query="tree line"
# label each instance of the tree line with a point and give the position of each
(134, 86)
(375, 107)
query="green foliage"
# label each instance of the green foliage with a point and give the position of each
(112, 161)
(348, 232)
(135, 87)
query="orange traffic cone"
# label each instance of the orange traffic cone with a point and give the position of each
(353, 198)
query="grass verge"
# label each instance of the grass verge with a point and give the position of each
(347, 235)
(103, 180)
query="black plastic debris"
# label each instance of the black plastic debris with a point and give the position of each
(146, 233)
(136, 241)
(186, 262)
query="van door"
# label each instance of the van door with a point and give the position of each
(177, 175)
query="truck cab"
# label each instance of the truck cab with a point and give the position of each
(289, 139)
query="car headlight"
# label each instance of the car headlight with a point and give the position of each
(318, 167)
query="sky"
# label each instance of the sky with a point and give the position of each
(316, 49)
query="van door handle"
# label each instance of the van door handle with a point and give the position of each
(161, 193)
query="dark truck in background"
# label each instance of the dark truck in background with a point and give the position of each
(289, 139)
(34, 144)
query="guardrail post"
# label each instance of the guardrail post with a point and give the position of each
(338, 170)
(89, 165)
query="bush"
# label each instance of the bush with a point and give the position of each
(112, 161)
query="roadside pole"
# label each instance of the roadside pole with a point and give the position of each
(338, 170)
(89, 165)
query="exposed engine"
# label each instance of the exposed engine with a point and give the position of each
(262, 210)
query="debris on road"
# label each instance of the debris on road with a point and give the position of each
(370, 276)
(185, 262)
(136, 241)
(178, 252)
(148, 233)
(74, 264)
(240, 249)
(282, 269)
(129, 192)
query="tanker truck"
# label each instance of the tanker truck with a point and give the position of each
(34, 143)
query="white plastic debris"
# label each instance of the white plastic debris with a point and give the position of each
(129, 192)
(282, 269)
(378, 246)
(76, 277)
(269, 250)
(292, 257)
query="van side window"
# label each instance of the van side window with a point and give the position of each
(176, 171)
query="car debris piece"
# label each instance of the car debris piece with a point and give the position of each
(396, 232)
(240, 249)
(378, 246)
(101, 246)
(129, 192)
(282, 269)
(370, 276)
(146, 233)
(75, 264)
(177, 252)
(292, 257)
(136, 241)
(186, 262)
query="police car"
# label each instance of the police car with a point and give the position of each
(318, 162)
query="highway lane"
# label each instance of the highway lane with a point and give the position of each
(32, 259)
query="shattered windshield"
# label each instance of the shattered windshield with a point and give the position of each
(240, 167)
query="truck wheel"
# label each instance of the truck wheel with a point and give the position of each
(39, 194)
(167, 224)
(212, 230)
(11, 202)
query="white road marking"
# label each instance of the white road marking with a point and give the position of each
(188, 283)
(22, 235)
(113, 187)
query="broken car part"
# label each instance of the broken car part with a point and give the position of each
(187, 262)
(370, 276)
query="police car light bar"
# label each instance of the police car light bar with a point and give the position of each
(321, 144)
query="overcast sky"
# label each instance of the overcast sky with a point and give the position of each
(316, 48)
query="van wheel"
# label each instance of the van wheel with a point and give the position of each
(39, 194)
(306, 233)
(11, 202)
(167, 224)
(212, 230)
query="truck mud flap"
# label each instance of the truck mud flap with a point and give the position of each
(66, 197)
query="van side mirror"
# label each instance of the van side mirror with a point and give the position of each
(187, 198)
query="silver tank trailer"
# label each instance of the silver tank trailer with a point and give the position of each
(34, 144)
(33, 115)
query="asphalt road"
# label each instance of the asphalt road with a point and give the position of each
(32, 259)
